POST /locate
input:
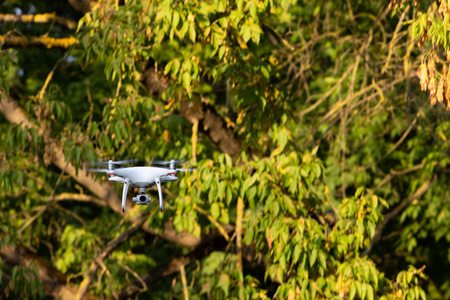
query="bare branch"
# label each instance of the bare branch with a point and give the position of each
(393, 213)
(40, 18)
(397, 144)
(420, 191)
(76, 197)
(83, 6)
(394, 39)
(393, 173)
(105, 191)
(209, 244)
(239, 217)
(184, 282)
(53, 281)
(112, 245)
(213, 126)
(11, 41)
(209, 121)
(222, 230)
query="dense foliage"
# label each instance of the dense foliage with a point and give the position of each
(322, 171)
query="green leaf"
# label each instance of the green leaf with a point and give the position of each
(313, 257)
(246, 32)
(176, 66)
(297, 250)
(251, 193)
(224, 283)
(322, 260)
(77, 154)
(175, 19)
(359, 191)
(282, 138)
(265, 72)
(14, 274)
(168, 67)
(370, 293)
(358, 287)
(317, 169)
(192, 32)
(186, 80)
(363, 290)
(228, 160)
(94, 128)
(215, 210)
(352, 290)
(280, 274)
(222, 51)
(314, 150)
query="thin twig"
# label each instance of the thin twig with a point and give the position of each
(328, 93)
(70, 212)
(194, 140)
(44, 208)
(239, 217)
(91, 107)
(397, 210)
(184, 282)
(222, 230)
(76, 197)
(394, 39)
(136, 275)
(41, 93)
(396, 145)
(112, 245)
(393, 173)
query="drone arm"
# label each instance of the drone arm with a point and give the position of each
(116, 178)
(158, 184)
(126, 184)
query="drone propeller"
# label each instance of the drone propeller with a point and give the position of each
(119, 162)
(186, 170)
(97, 170)
(166, 162)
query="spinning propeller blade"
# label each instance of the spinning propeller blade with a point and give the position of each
(96, 170)
(119, 162)
(186, 170)
(166, 162)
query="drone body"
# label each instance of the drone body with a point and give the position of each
(142, 178)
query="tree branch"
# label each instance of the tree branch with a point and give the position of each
(39, 18)
(239, 217)
(221, 229)
(76, 197)
(213, 125)
(53, 281)
(83, 6)
(420, 191)
(215, 243)
(105, 191)
(393, 173)
(11, 41)
(393, 213)
(208, 120)
(112, 245)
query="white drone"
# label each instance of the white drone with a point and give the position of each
(140, 177)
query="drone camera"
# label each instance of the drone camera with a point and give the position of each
(142, 199)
